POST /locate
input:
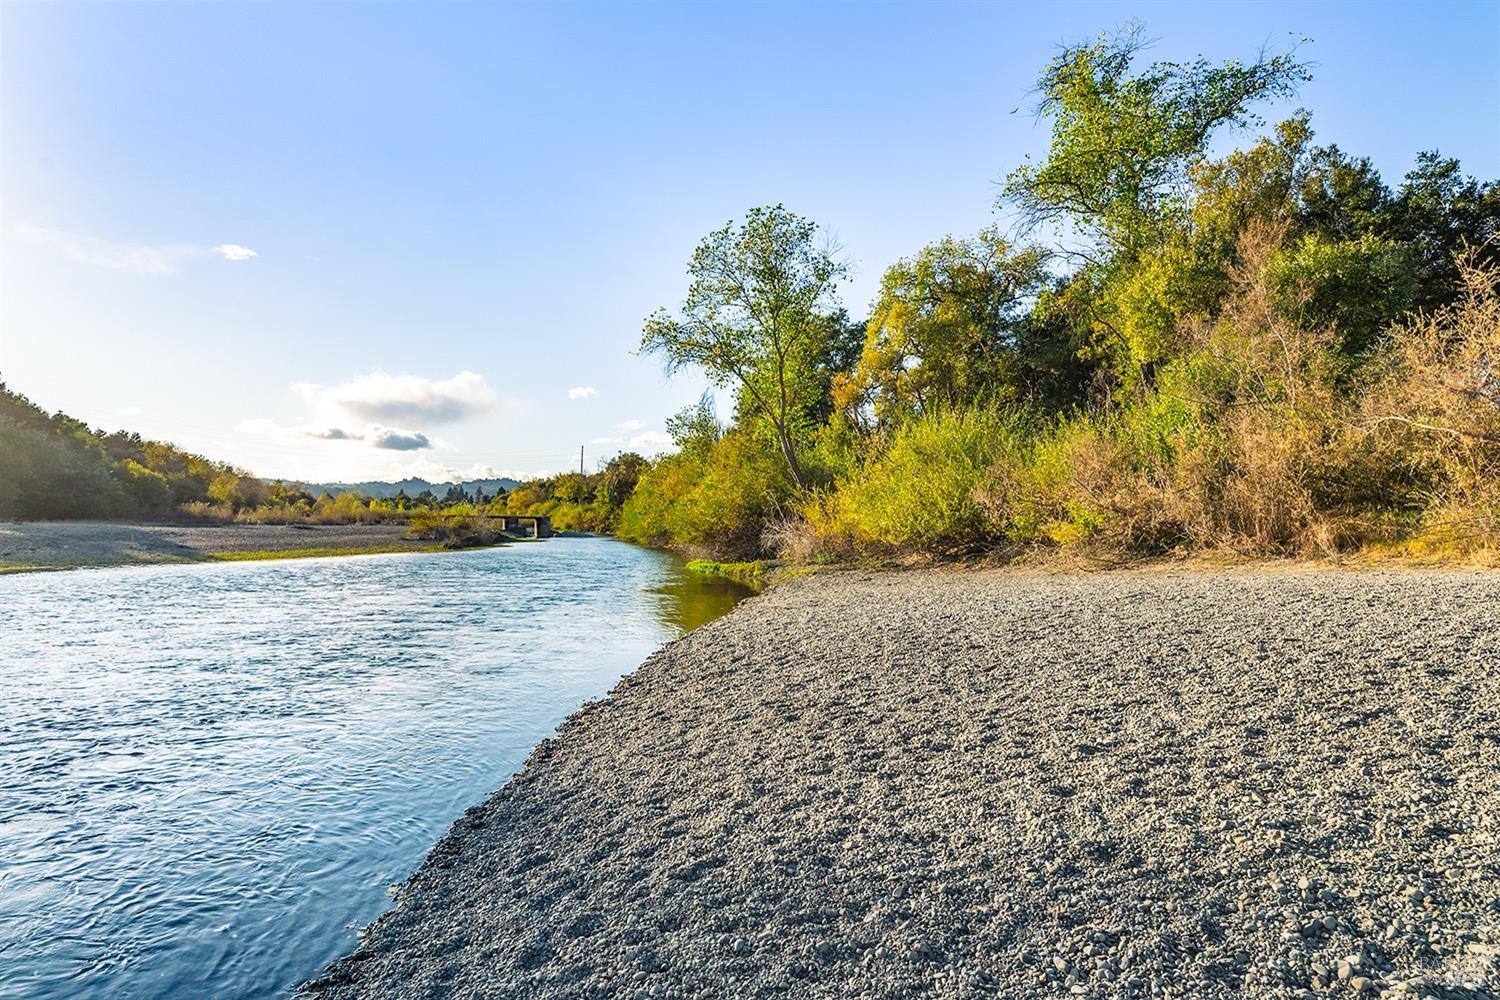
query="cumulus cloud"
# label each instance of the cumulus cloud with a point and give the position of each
(631, 425)
(607, 440)
(376, 436)
(134, 258)
(405, 399)
(332, 434)
(393, 440)
(233, 251)
(582, 392)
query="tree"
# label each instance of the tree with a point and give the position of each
(943, 333)
(621, 473)
(1123, 144)
(695, 427)
(1120, 172)
(757, 317)
(1443, 214)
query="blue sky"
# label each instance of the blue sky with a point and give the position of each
(459, 213)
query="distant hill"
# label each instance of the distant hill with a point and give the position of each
(54, 466)
(411, 487)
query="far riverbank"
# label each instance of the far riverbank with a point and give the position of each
(46, 545)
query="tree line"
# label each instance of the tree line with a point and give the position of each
(1272, 351)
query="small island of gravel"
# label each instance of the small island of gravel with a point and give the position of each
(987, 783)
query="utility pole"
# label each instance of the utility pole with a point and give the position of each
(580, 460)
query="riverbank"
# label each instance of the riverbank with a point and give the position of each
(46, 545)
(961, 783)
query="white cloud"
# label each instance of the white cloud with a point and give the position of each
(233, 251)
(651, 441)
(582, 392)
(382, 398)
(607, 440)
(135, 258)
(128, 411)
(631, 425)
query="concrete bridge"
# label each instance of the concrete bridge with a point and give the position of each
(526, 525)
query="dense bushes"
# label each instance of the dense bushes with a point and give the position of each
(1248, 444)
(458, 527)
(575, 501)
(924, 488)
(716, 498)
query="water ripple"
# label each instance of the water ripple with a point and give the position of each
(212, 773)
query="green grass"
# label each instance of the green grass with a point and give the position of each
(15, 567)
(251, 555)
(754, 575)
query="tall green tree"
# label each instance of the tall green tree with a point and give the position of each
(757, 317)
(1119, 175)
(943, 332)
(1123, 143)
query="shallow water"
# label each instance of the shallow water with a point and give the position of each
(210, 774)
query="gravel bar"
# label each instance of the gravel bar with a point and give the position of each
(92, 543)
(952, 783)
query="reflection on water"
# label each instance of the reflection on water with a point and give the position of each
(211, 773)
(691, 599)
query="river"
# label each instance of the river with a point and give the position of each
(212, 773)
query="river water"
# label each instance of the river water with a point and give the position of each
(210, 774)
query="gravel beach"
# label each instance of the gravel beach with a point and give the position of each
(990, 783)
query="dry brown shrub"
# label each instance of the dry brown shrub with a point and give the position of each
(1264, 385)
(1434, 401)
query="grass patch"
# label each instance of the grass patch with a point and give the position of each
(17, 567)
(755, 575)
(252, 555)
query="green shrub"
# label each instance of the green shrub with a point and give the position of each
(716, 500)
(457, 527)
(922, 489)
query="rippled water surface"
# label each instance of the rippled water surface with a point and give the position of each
(210, 774)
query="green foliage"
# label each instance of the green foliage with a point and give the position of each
(717, 500)
(944, 332)
(758, 317)
(460, 526)
(1442, 215)
(750, 574)
(922, 489)
(1358, 287)
(148, 490)
(53, 466)
(1123, 142)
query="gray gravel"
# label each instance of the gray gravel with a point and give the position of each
(102, 543)
(1204, 784)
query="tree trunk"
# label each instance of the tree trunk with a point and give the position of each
(789, 452)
